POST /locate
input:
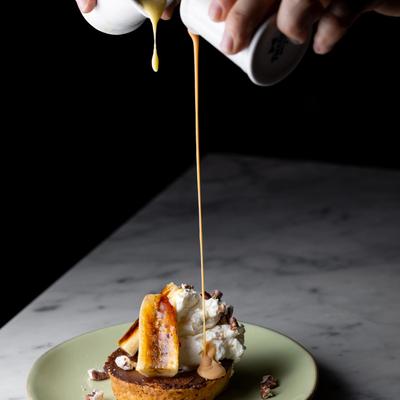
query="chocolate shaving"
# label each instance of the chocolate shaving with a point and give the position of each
(96, 375)
(268, 382)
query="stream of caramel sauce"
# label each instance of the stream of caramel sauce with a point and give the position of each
(209, 368)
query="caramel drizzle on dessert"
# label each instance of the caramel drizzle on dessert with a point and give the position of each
(209, 368)
(195, 39)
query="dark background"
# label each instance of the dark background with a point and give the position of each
(95, 134)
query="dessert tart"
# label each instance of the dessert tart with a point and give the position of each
(180, 348)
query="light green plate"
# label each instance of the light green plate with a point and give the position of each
(61, 373)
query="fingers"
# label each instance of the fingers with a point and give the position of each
(169, 11)
(219, 9)
(295, 18)
(241, 22)
(388, 7)
(333, 25)
(86, 5)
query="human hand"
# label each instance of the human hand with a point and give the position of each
(88, 5)
(295, 17)
(169, 11)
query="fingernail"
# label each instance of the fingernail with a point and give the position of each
(82, 4)
(215, 11)
(227, 43)
(320, 49)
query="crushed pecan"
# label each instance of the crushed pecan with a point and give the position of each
(268, 382)
(217, 294)
(265, 392)
(206, 295)
(125, 363)
(226, 312)
(95, 395)
(187, 287)
(96, 375)
(233, 323)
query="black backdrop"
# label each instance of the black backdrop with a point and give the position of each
(95, 133)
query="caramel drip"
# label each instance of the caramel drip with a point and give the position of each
(154, 9)
(209, 368)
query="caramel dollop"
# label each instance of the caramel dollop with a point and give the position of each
(209, 368)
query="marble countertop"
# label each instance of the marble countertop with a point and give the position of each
(308, 249)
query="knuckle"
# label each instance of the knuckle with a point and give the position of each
(225, 4)
(342, 9)
(290, 28)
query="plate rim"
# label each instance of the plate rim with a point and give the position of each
(313, 361)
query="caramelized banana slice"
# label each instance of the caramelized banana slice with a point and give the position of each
(130, 341)
(169, 289)
(158, 337)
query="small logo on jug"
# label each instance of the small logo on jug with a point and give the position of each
(278, 44)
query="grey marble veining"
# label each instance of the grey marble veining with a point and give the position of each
(308, 249)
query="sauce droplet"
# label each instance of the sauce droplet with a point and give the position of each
(154, 9)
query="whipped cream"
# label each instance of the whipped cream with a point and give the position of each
(228, 341)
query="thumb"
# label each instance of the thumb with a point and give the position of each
(86, 5)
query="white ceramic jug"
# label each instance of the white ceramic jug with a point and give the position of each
(117, 17)
(268, 59)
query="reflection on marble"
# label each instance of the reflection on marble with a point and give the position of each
(307, 249)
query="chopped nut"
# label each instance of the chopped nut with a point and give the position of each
(95, 395)
(268, 382)
(228, 311)
(216, 294)
(96, 375)
(125, 363)
(265, 392)
(206, 295)
(187, 287)
(233, 323)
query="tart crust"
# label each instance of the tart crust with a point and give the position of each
(131, 385)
